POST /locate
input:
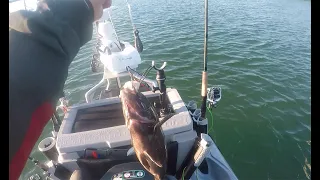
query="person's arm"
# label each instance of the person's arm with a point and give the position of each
(42, 45)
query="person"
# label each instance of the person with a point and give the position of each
(42, 45)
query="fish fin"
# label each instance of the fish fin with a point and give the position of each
(150, 158)
(131, 152)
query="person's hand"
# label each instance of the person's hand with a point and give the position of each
(98, 6)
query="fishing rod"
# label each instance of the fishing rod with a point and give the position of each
(205, 57)
(201, 147)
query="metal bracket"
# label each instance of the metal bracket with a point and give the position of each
(214, 95)
(161, 68)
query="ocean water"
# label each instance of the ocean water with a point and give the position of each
(259, 52)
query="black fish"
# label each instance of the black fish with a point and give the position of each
(146, 134)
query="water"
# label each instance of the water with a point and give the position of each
(259, 51)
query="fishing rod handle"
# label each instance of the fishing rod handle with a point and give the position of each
(204, 84)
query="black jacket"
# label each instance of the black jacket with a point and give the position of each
(42, 45)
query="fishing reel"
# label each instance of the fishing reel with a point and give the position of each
(213, 96)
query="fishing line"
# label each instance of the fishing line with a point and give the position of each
(114, 31)
(128, 67)
(132, 78)
(146, 73)
(211, 128)
(143, 76)
(183, 173)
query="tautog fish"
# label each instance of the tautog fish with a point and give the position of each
(146, 134)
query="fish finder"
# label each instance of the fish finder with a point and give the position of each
(132, 170)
